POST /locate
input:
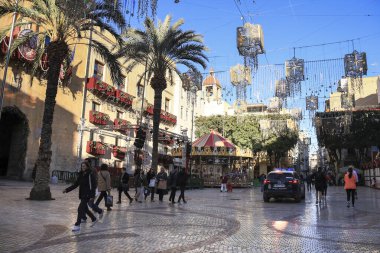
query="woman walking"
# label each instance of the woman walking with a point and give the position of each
(350, 186)
(151, 179)
(124, 186)
(87, 184)
(181, 182)
(104, 185)
(173, 184)
(162, 179)
(139, 185)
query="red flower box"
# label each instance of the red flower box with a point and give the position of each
(124, 97)
(99, 118)
(95, 148)
(102, 87)
(121, 124)
(149, 109)
(110, 90)
(119, 152)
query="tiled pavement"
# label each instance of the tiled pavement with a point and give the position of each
(210, 222)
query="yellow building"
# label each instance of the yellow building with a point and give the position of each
(21, 120)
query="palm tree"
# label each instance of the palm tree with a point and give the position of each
(65, 22)
(161, 49)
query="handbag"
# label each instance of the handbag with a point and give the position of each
(109, 201)
(152, 182)
(162, 185)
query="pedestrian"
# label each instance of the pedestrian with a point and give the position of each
(162, 182)
(151, 180)
(223, 184)
(124, 185)
(87, 184)
(181, 182)
(350, 186)
(373, 182)
(173, 184)
(320, 182)
(104, 185)
(308, 182)
(139, 185)
(357, 179)
(262, 179)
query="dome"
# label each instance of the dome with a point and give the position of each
(211, 80)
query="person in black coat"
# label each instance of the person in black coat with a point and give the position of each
(87, 185)
(151, 180)
(124, 186)
(173, 184)
(181, 182)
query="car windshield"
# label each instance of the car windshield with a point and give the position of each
(280, 176)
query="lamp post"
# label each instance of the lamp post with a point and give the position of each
(7, 58)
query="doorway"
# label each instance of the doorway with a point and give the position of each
(14, 131)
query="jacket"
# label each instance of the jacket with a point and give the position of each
(349, 183)
(173, 179)
(104, 181)
(139, 180)
(150, 175)
(162, 176)
(87, 184)
(182, 179)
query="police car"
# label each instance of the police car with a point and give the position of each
(283, 183)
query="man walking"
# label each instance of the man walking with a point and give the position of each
(173, 184)
(181, 182)
(124, 186)
(87, 184)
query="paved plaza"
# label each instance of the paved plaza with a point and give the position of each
(211, 221)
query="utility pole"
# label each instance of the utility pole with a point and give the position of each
(7, 59)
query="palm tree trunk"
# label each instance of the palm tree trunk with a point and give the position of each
(156, 126)
(41, 190)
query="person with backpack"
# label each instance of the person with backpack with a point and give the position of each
(86, 182)
(104, 185)
(124, 186)
(320, 185)
(350, 186)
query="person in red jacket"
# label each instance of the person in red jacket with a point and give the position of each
(350, 186)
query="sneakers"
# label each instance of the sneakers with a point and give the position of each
(75, 228)
(101, 215)
(94, 222)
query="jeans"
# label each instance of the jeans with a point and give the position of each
(351, 194)
(125, 192)
(172, 194)
(182, 195)
(103, 194)
(83, 210)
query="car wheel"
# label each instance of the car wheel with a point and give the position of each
(266, 198)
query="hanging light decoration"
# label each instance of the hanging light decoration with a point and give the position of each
(240, 78)
(281, 89)
(191, 82)
(295, 73)
(355, 64)
(250, 43)
(347, 100)
(311, 103)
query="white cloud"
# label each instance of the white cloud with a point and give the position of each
(374, 64)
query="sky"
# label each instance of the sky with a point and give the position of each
(336, 26)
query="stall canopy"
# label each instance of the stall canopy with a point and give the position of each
(213, 139)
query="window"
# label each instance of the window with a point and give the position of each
(119, 114)
(121, 86)
(167, 103)
(186, 113)
(209, 91)
(116, 141)
(140, 90)
(181, 112)
(98, 70)
(95, 106)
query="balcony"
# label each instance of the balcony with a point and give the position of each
(100, 88)
(96, 148)
(99, 118)
(165, 117)
(124, 98)
(119, 152)
(121, 125)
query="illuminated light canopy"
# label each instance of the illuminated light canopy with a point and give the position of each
(250, 42)
(191, 79)
(312, 103)
(295, 70)
(282, 90)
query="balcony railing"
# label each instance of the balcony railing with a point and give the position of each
(121, 124)
(99, 118)
(119, 152)
(96, 148)
(165, 117)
